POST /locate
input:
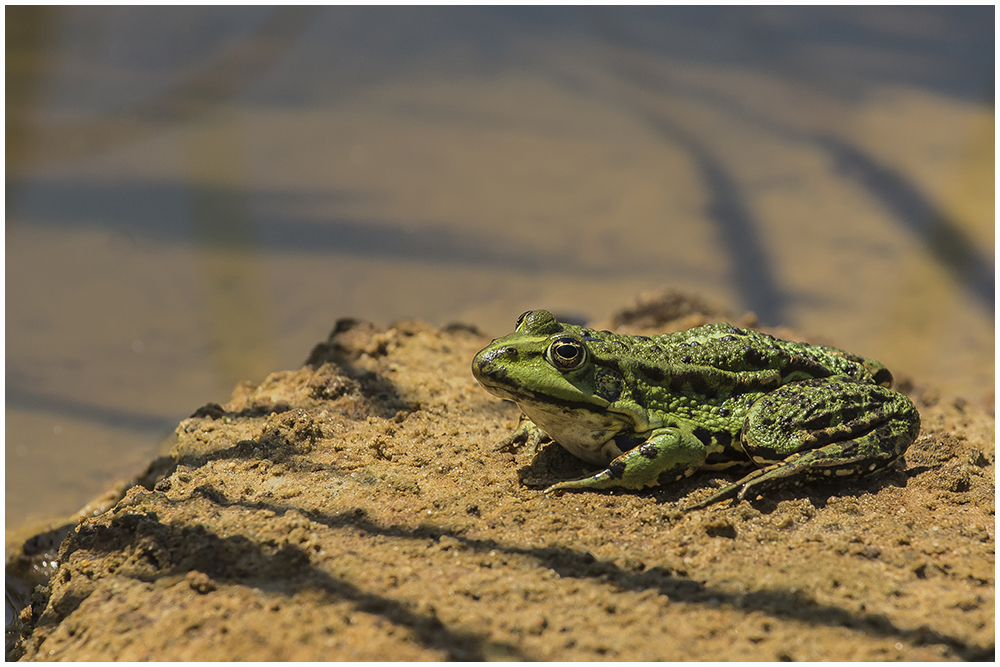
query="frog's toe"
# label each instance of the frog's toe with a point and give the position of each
(517, 442)
(527, 438)
(509, 444)
(602, 480)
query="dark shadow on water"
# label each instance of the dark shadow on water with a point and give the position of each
(158, 212)
(739, 230)
(945, 240)
(83, 410)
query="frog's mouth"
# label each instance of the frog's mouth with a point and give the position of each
(497, 383)
(489, 368)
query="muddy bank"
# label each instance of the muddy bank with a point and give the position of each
(353, 509)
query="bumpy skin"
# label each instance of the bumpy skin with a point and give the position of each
(655, 409)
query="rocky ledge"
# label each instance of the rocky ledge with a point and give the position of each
(354, 509)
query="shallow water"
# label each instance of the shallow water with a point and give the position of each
(195, 195)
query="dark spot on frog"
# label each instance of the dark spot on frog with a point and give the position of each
(686, 359)
(648, 450)
(723, 412)
(728, 456)
(753, 357)
(654, 373)
(766, 454)
(617, 468)
(803, 364)
(724, 438)
(820, 421)
(627, 442)
(704, 435)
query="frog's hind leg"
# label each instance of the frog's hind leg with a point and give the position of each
(822, 429)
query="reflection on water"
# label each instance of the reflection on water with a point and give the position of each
(195, 195)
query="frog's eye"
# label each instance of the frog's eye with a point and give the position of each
(520, 320)
(567, 354)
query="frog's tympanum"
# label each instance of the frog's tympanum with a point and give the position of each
(652, 410)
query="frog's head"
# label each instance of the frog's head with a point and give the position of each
(546, 363)
(558, 376)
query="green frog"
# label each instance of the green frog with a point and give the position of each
(651, 410)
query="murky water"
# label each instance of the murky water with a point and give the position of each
(195, 195)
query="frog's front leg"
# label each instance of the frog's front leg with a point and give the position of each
(820, 429)
(526, 434)
(668, 454)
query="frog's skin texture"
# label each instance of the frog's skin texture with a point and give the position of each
(652, 410)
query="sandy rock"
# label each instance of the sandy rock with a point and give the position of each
(354, 509)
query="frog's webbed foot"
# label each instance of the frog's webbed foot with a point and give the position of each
(526, 435)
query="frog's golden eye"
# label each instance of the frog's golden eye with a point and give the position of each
(566, 354)
(520, 320)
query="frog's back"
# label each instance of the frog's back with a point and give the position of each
(743, 353)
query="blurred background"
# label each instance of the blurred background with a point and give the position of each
(195, 194)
